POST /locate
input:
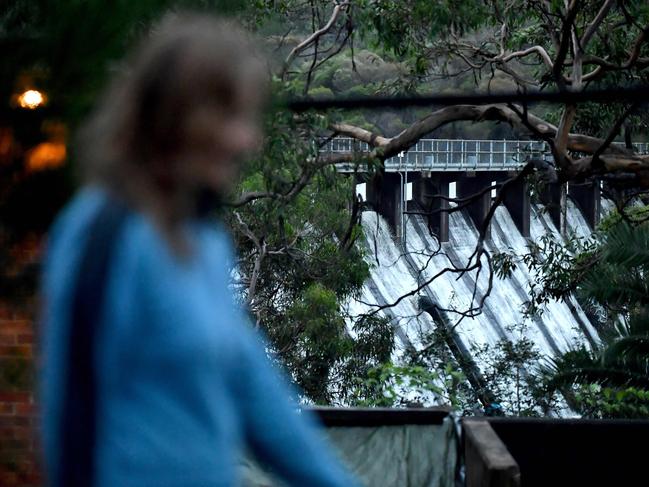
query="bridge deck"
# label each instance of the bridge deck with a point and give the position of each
(441, 155)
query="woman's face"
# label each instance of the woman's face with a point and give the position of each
(214, 143)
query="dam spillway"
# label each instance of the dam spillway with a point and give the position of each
(400, 266)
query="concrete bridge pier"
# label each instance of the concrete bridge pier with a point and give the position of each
(430, 192)
(517, 202)
(383, 193)
(553, 197)
(468, 186)
(586, 196)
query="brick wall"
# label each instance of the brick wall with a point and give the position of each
(19, 457)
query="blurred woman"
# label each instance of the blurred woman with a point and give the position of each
(151, 374)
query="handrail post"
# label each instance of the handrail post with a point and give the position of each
(491, 154)
(488, 461)
(462, 154)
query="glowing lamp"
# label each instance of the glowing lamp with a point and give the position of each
(46, 155)
(31, 99)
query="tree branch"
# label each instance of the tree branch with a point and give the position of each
(542, 53)
(615, 130)
(594, 25)
(564, 45)
(359, 133)
(308, 170)
(313, 37)
(521, 120)
(260, 246)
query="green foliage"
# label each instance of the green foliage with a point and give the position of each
(508, 376)
(610, 272)
(561, 265)
(504, 263)
(321, 92)
(605, 269)
(510, 373)
(424, 37)
(408, 385)
(321, 341)
(312, 264)
(595, 401)
(405, 27)
(634, 214)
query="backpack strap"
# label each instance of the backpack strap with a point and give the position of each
(79, 416)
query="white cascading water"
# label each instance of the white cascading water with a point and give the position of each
(398, 271)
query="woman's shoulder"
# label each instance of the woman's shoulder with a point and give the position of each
(93, 217)
(139, 240)
(77, 213)
(68, 234)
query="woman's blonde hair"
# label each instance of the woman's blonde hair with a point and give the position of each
(187, 61)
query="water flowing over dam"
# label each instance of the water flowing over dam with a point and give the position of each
(398, 270)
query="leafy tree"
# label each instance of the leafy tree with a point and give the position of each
(600, 402)
(531, 45)
(611, 378)
(392, 385)
(511, 381)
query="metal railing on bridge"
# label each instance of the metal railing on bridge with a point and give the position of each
(441, 155)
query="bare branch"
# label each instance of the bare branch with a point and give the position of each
(313, 37)
(634, 59)
(594, 74)
(359, 133)
(563, 131)
(260, 246)
(635, 166)
(594, 25)
(564, 45)
(308, 170)
(542, 53)
(421, 286)
(637, 46)
(615, 130)
(496, 112)
(520, 120)
(354, 219)
(614, 156)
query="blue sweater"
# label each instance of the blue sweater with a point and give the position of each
(182, 381)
